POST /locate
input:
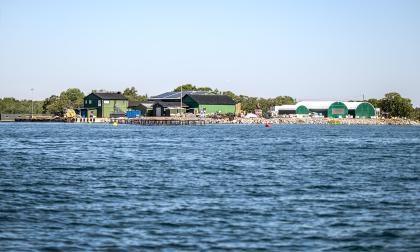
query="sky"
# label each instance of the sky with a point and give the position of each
(310, 50)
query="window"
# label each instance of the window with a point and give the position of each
(85, 101)
(106, 102)
(337, 111)
(99, 103)
(90, 101)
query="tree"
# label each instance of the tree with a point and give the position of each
(132, 94)
(13, 106)
(185, 87)
(72, 98)
(247, 103)
(190, 87)
(416, 114)
(375, 102)
(396, 105)
(47, 102)
(231, 95)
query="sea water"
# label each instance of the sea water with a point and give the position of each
(74, 187)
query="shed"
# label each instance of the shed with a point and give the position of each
(162, 108)
(146, 107)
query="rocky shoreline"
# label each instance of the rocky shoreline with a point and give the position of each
(312, 120)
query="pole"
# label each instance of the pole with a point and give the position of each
(32, 103)
(181, 101)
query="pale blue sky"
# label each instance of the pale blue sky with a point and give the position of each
(306, 49)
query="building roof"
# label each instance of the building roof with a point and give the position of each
(352, 105)
(175, 95)
(111, 96)
(285, 108)
(212, 99)
(315, 104)
(145, 104)
(170, 104)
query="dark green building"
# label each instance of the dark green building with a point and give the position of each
(210, 104)
(104, 105)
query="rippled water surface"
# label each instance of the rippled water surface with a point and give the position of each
(241, 188)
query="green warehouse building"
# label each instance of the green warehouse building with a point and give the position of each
(361, 109)
(210, 104)
(104, 105)
(331, 109)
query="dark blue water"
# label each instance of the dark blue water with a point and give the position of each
(240, 188)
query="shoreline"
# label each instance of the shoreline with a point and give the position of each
(238, 120)
(272, 121)
(318, 121)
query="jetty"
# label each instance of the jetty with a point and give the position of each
(162, 121)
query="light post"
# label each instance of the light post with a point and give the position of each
(181, 101)
(32, 103)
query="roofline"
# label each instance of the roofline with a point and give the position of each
(95, 94)
(153, 98)
(192, 97)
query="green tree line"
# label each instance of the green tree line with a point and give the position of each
(133, 95)
(248, 103)
(10, 105)
(71, 98)
(394, 105)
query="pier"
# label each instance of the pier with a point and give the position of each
(162, 121)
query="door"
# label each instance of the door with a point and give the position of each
(158, 111)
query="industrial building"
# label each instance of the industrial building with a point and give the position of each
(196, 102)
(209, 104)
(331, 109)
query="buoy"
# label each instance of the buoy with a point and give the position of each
(268, 125)
(115, 124)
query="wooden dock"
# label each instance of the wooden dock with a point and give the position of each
(162, 121)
